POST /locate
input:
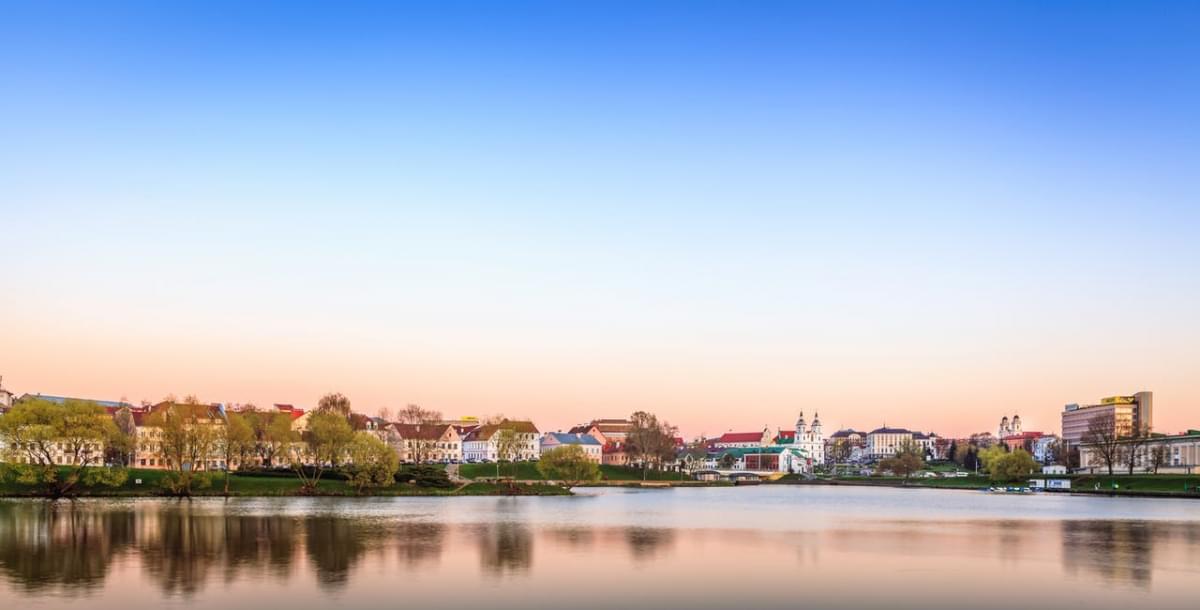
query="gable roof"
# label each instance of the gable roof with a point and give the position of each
(487, 431)
(891, 431)
(564, 438)
(741, 437)
(846, 433)
(421, 432)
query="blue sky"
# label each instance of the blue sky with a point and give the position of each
(556, 209)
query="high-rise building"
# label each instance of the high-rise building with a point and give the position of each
(1129, 413)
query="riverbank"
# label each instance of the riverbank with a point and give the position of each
(1135, 486)
(148, 483)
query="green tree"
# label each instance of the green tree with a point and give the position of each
(508, 448)
(1012, 466)
(184, 437)
(1104, 439)
(324, 445)
(991, 454)
(569, 464)
(373, 462)
(235, 441)
(56, 447)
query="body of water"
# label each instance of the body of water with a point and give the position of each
(720, 548)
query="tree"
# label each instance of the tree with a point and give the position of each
(649, 441)
(1134, 446)
(1103, 438)
(840, 451)
(121, 449)
(334, 402)
(1158, 457)
(373, 462)
(324, 444)
(1012, 466)
(184, 436)
(727, 461)
(569, 464)
(57, 447)
(235, 440)
(909, 459)
(990, 455)
(508, 448)
(415, 414)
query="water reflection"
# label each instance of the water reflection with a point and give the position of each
(199, 550)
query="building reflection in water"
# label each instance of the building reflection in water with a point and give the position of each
(188, 549)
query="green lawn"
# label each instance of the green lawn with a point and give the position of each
(527, 471)
(278, 486)
(1138, 482)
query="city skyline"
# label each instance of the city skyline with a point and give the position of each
(927, 215)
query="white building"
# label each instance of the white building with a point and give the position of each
(482, 444)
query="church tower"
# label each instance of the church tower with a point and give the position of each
(816, 426)
(800, 428)
(1016, 425)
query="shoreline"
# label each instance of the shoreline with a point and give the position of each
(975, 486)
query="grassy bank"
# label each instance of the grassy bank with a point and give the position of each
(528, 471)
(260, 486)
(1135, 485)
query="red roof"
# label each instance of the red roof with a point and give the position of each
(741, 437)
(786, 434)
(1023, 436)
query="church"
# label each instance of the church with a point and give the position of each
(806, 443)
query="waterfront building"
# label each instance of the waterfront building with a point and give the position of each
(885, 442)
(6, 397)
(1180, 454)
(848, 445)
(482, 443)
(148, 450)
(591, 447)
(1130, 414)
(424, 443)
(808, 440)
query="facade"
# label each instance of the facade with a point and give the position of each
(1130, 413)
(593, 448)
(1181, 455)
(846, 445)
(425, 443)
(6, 397)
(807, 440)
(1009, 428)
(482, 444)
(1043, 447)
(885, 442)
(1021, 441)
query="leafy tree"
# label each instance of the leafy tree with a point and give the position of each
(569, 464)
(184, 436)
(1012, 466)
(1104, 439)
(909, 458)
(727, 461)
(57, 447)
(324, 445)
(991, 454)
(334, 402)
(373, 462)
(235, 441)
(508, 448)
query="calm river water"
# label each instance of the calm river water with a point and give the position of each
(727, 548)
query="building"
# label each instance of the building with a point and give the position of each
(1180, 454)
(1009, 428)
(743, 440)
(885, 442)
(848, 445)
(6, 397)
(775, 458)
(1043, 448)
(592, 448)
(1130, 413)
(809, 441)
(482, 444)
(1024, 440)
(425, 443)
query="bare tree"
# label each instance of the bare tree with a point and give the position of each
(1102, 436)
(1133, 447)
(1158, 457)
(334, 402)
(416, 414)
(385, 413)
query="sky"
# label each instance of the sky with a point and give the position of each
(920, 214)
